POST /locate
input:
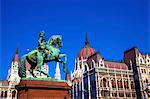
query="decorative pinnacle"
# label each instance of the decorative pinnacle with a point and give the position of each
(86, 41)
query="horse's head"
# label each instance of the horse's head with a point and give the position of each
(55, 41)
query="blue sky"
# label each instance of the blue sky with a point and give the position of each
(113, 26)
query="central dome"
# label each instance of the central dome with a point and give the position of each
(87, 51)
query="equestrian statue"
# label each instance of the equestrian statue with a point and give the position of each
(44, 53)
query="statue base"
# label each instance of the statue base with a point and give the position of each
(43, 89)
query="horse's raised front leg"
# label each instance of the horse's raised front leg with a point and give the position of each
(65, 70)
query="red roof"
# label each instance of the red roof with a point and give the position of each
(116, 65)
(4, 83)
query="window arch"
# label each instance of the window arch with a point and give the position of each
(5, 95)
(104, 82)
(132, 85)
(126, 84)
(85, 68)
(141, 60)
(92, 64)
(113, 83)
(2, 94)
(80, 66)
(148, 60)
(13, 93)
(146, 81)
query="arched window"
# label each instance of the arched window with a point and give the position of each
(101, 83)
(2, 94)
(119, 84)
(92, 64)
(146, 81)
(13, 93)
(144, 71)
(113, 84)
(132, 85)
(74, 90)
(80, 66)
(5, 94)
(141, 60)
(85, 68)
(108, 83)
(126, 84)
(104, 82)
(76, 65)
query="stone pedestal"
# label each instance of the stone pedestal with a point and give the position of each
(41, 89)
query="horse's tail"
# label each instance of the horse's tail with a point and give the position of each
(22, 67)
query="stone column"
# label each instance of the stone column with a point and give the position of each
(116, 85)
(96, 85)
(129, 82)
(89, 85)
(16, 94)
(82, 88)
(76, 89)
(110, 86)
(99, 81)
(73, 90)
(123, 84)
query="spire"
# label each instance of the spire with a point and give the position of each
(17, 50)
(86, 41)
(57, 72)
(16, 56)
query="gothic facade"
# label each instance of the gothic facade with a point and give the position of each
(141, 70)
(96, 78)
(7, 87)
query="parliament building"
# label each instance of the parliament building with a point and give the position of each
(96, 78)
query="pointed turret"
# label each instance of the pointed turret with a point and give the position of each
(57, 72)
(86, 41)
(13, 76)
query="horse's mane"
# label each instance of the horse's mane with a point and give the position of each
(53, 41)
